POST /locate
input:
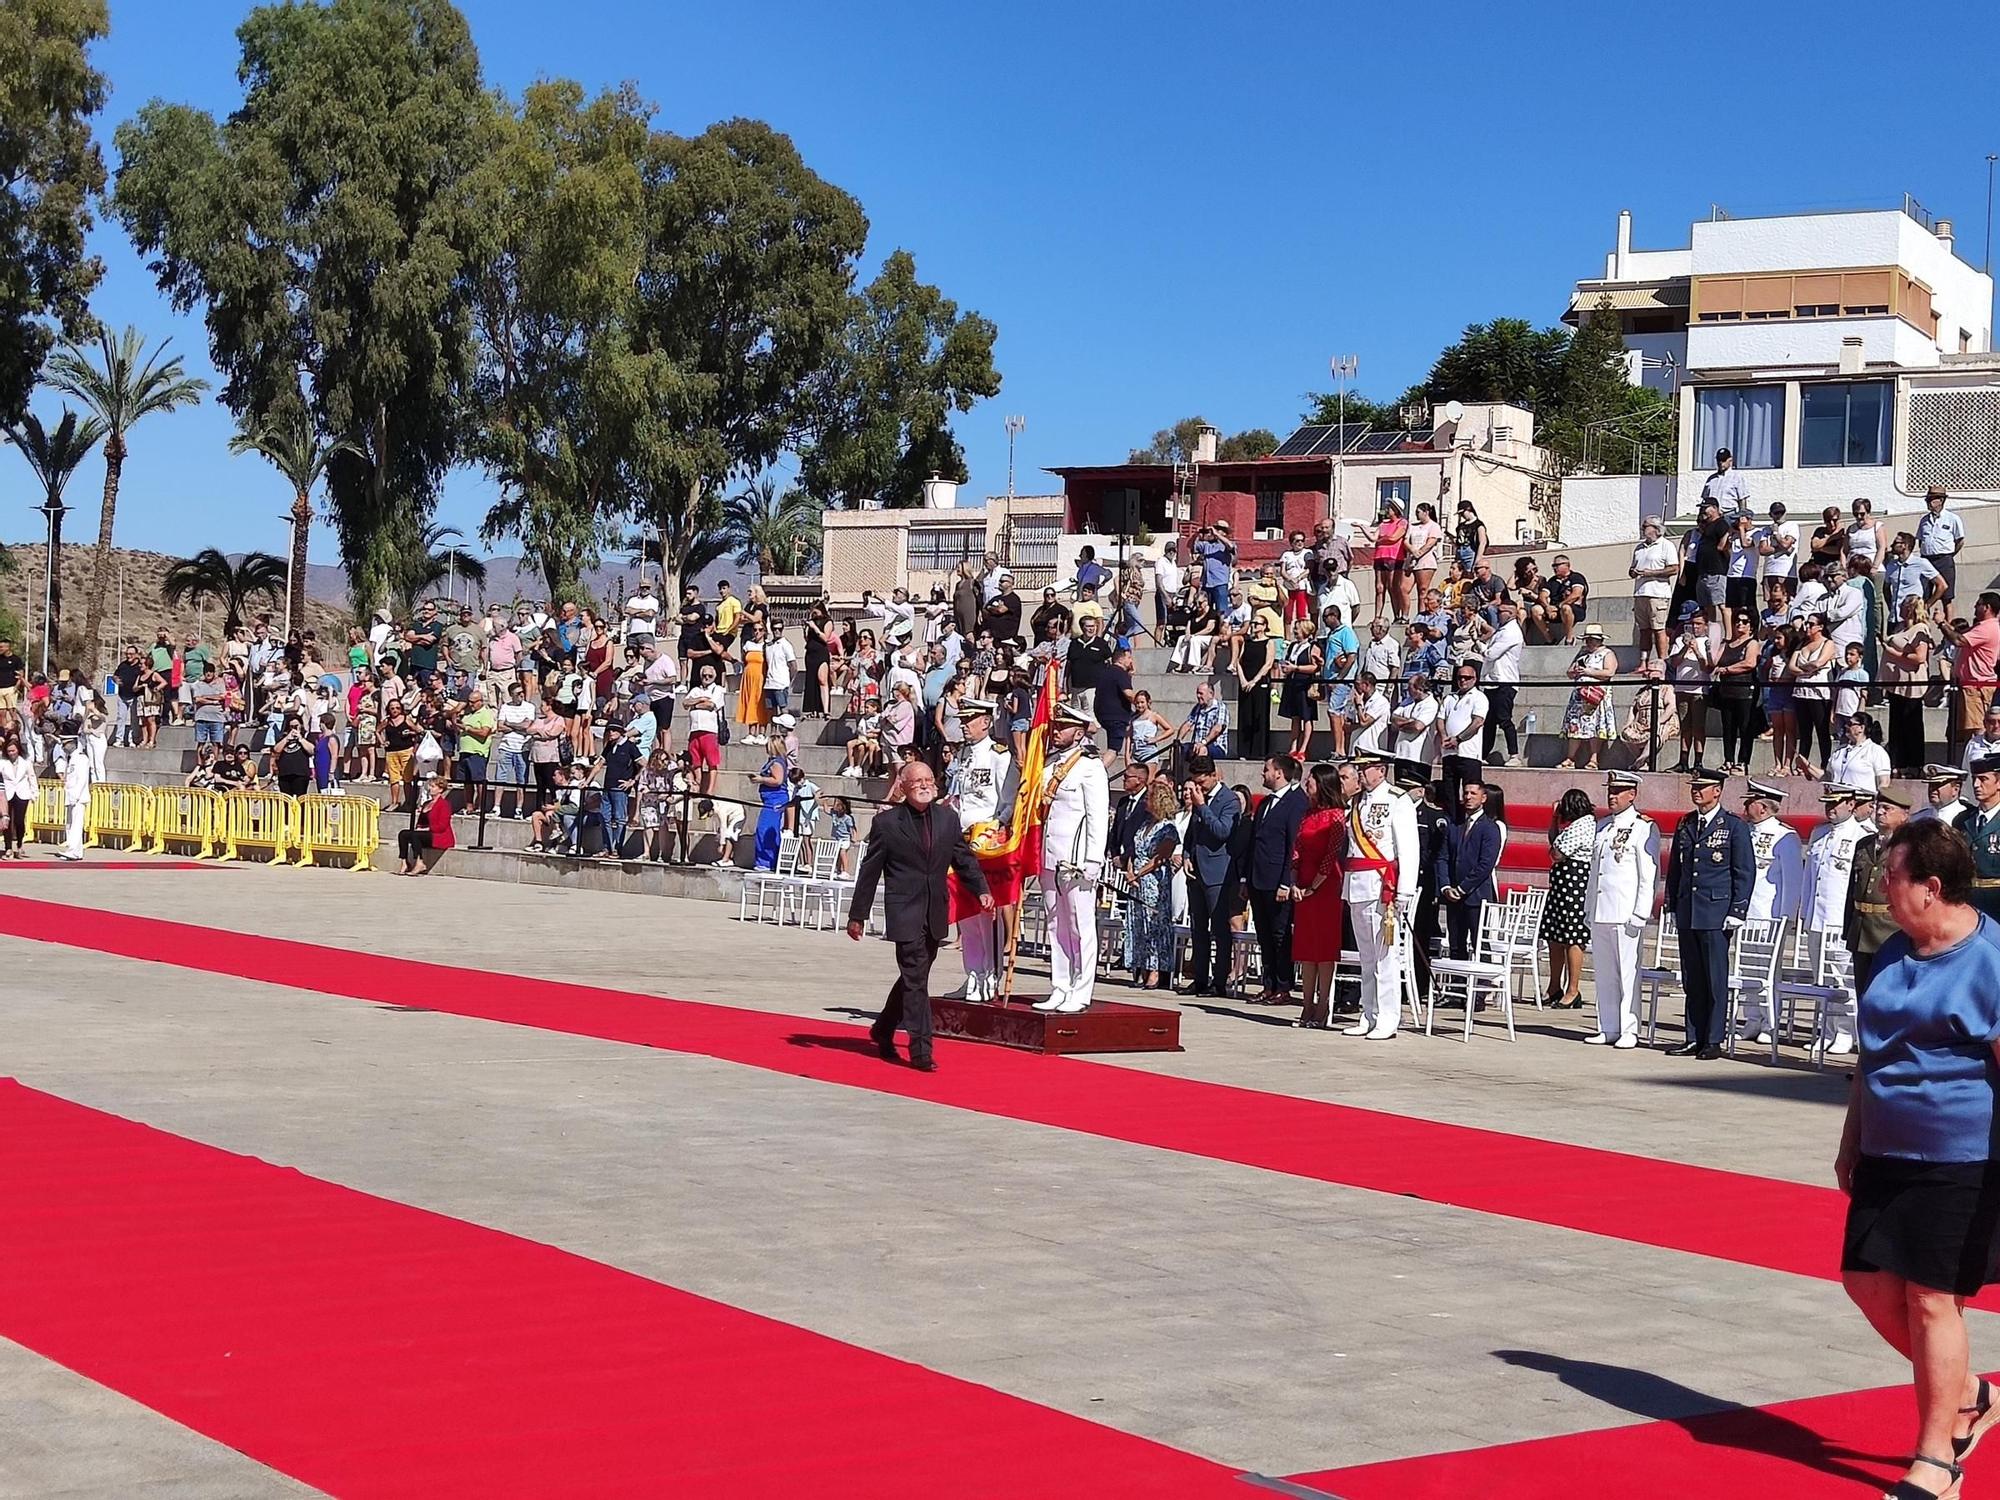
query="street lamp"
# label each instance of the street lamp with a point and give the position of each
(1015, 427)
(52, 510)
(1344, 367)
(291, 543)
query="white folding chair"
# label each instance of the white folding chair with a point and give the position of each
(1488, 975)
(1826, 983)
(1664, 971)
(1524, 937)
(769, 885)
(818, 888)
(1756, 955)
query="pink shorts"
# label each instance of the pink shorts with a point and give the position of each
(705, 750)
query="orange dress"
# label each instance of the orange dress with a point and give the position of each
(1316, 929)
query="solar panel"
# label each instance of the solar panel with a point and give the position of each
(1379, 442)
(1300, 443)
(1339, 439)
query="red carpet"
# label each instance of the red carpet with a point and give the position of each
(1846, 1447)
(1732, 1216)
(372, 1349)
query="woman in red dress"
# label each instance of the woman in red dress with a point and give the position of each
(1316, 861)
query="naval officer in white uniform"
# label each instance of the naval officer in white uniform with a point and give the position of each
(1776, 895)
(1947, 789)
(1618, 899)
(982, 782)
(1823, 908)
(1380, 887)
(1076, 814)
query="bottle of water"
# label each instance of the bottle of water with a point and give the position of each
(1527, 733)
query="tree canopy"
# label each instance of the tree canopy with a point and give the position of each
(50, 172)
(1176, 444)
(327, 230)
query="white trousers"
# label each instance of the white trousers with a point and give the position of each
(1614, 962)
(96, 742)
(1381, 983)
(1072, 910)
(73, 816)
(979, 946)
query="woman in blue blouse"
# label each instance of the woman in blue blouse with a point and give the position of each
(1917, 1157)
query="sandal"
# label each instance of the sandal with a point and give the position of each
(1904, 1490)
(1984, 1415)
(1565, 765)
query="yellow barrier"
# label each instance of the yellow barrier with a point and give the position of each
(185, 815)
(118, 810)
(259, 820)
(45, 816)
(339, 825)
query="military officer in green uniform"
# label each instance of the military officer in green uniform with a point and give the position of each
(1981, 827)
(1869, 925)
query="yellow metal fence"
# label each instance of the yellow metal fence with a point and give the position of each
(184, 820)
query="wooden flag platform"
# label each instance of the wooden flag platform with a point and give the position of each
(1108, 1026)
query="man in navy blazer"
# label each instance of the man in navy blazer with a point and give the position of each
(1711, 869)
(1274, 830)
(1465, 864)
(1211, 872)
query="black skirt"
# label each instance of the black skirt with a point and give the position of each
(1932, 1223)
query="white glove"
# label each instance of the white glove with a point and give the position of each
(1635, 929)
(1730, 924)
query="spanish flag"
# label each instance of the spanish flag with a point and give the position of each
(1009, 856)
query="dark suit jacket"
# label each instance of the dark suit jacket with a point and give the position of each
(1430, 843)
(1209, 827)
(1128, 816)
(1709, 881)
(1274, 829)
(1467, 860)
(915, 902)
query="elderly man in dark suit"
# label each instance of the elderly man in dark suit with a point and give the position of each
(1211, 874)
(1465, 863)
(911, 845)
(1274, 830)
(1711, 870)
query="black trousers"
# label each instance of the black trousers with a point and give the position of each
(1208, 924)
(1906, 733)
(1253, 723)
(411, 843)
(1736, 736)
(1458, 770)
(908, 1007)
(1461, 926)
(1500, 718)
(1815, 718)
(1705, 978)
(1423, 936)
(1274, 937)
(1864, 965)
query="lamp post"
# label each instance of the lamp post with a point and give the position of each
(52, 511)
(1343, 367)
(1015, 427)
(291, 541)
(1987, 266)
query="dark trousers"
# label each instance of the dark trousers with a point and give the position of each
(1274, 937)
(1208, 924)
(908, 1007)
(411, 843)
(1423, 936)
(1906, 733)
(1253, 723)
(1500, 717)
(1864, 965)
(1461, 925)
(1458, 770)
(1737, 739)
(1705, 979)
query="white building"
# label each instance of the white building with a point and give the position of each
(1837, 355)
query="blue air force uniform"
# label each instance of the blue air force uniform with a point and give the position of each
(1711, 872)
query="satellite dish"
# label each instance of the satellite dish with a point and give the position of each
(1453, 410)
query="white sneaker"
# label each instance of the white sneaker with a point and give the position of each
(1381, 1034)
(723, 864)
(1054, 1002)
(1359, 1028)
(1071, 1007)
(1514, 760)
(1597, 1039)
(1627, 1042)
(1840, 1046)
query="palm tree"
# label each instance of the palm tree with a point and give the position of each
(132, 384)
(291, 444)
(763, 528)
(210, 578)
(54, 456)
(440, 557)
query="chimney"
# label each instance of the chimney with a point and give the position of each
(1624, 252)
(1943, 230)
(1204, 445)
(1850, 356)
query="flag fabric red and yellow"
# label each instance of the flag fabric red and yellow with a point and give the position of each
(1017, 854)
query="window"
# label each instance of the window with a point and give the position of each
(1270, 510)
(1393, 489)
(1845, 422)
(1749, 420)
(939, 549)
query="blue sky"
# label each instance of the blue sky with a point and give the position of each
(1169, 208)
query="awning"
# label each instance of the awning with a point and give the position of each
(1667, 296)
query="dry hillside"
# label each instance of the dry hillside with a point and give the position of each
(134, 600)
